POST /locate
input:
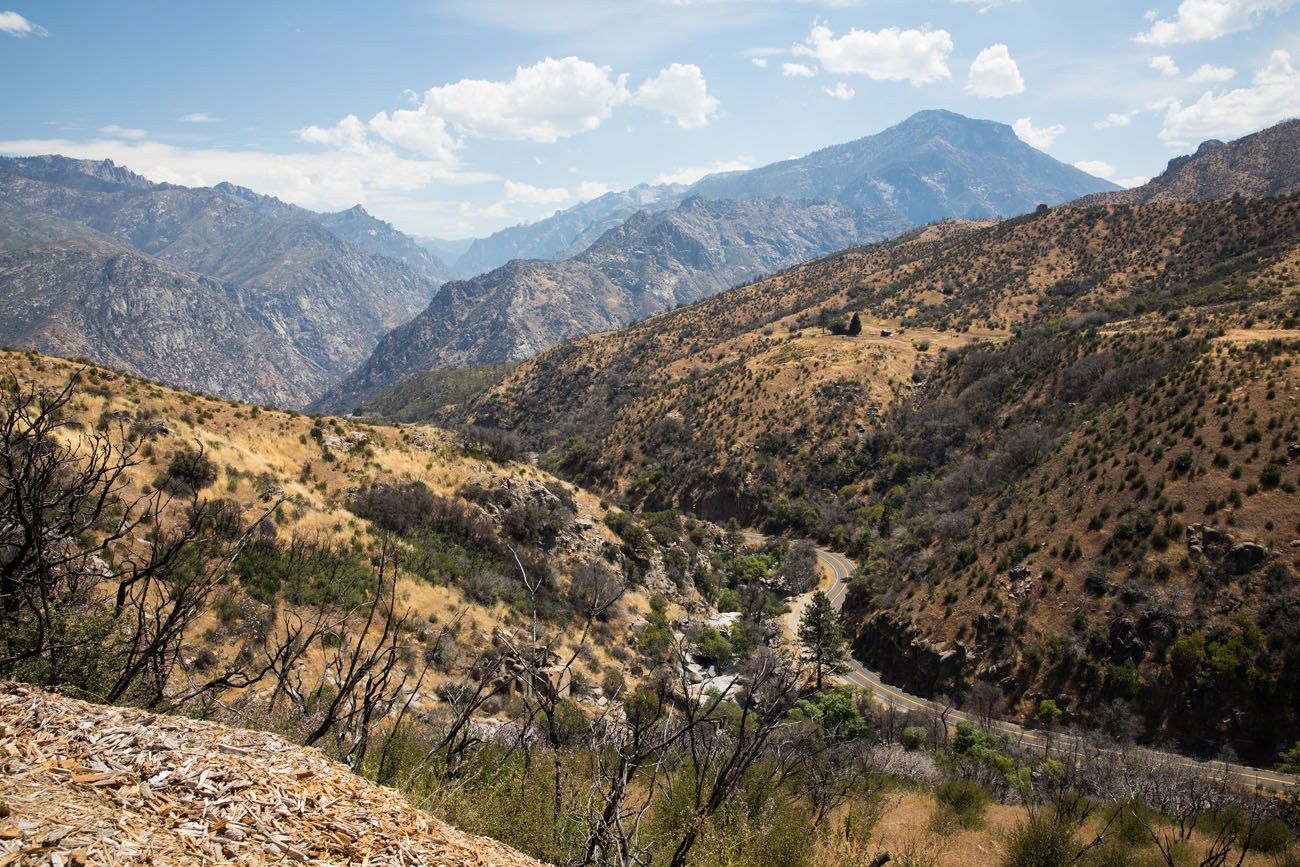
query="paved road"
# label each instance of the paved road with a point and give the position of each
(841, 567)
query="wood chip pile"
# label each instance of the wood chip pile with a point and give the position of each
(85, 784)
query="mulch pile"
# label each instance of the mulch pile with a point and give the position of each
(85, 784)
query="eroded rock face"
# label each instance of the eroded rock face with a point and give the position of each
(211, 289)
(646, 265)
(896, 649)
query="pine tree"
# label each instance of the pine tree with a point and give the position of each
(855, 325)
(822, 637)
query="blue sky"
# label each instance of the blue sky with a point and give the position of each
(456, 119)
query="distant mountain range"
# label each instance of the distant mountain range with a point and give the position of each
(650, 263)
(566, 233)
(229, 291)
(217, 289)
(935, 164)
(678, 245)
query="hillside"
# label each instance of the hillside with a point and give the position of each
(314, 301)
(457, 514)
(90, 297)
(1260, 164)
(648, 264)
(389, 579)
(930, 450)
(92, 784)
(355, 226)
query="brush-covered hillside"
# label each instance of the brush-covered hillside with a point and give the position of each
(257, 522)
(1062, 444)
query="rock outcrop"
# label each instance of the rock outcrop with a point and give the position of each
(897, 650)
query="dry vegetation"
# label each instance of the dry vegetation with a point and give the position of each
(1019, 463)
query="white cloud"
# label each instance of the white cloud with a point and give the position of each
(840, 91)
(1198, 20)
(1039, 137)
(691, 174)
(1100, 168)
(1129, 183)
(839, 4)
(681, 93)
(1274, 94)
(1163, 64)
(545, 102)
(993, 73)
(521, 200)
(548, 101)
(123, 132)
(1209, 74)
(760, 62)
(797, 70)
(527, 194)
(1114, 119)
(415, 129)
(16, 25)
(198, 117)
(335, 178)
(986, 5)
(591, 190)
(918, 56)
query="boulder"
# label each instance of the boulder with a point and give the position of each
(1245, 556)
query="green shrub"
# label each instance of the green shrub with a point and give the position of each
(961, 805)
(914, 737)
(713, 648)
(1049, 837)
(188, 472)
(1271, 837)
(1042, 841)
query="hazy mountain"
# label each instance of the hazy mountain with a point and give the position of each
(649, 263)
(933, 165)
(90, 297)
(1266, 163)
(354, 225)
(289, 274)
(566, 233)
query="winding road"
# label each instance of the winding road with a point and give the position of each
(839, 568)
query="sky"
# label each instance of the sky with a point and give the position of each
(456, 119)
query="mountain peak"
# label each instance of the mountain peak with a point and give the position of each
(929, 166)
(942, 118)
(356, 212)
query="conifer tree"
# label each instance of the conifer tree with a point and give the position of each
(822, 637)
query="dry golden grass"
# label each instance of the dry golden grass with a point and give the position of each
(257, 447)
